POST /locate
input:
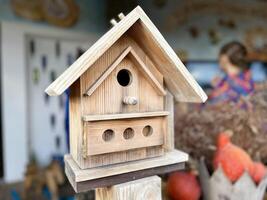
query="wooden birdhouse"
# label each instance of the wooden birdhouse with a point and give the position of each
(121, 95)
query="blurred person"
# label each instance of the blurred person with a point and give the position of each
(236, 82)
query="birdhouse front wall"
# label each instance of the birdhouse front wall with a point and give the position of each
(111, 96)
(107, 98)
(111, 129)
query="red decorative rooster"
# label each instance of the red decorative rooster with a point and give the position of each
(259, 172)
(235, 161)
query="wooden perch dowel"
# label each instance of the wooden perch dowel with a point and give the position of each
(130, 100)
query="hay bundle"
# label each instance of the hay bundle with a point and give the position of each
(196, 129)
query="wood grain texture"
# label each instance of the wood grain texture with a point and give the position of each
(104, 103)
(121, 157)
(143, 189)
(108, 71)
(97, 145)
(169, 123)
(108, 97)
(79, 174)
(154, 82)
(133, 44)
(76, 126)
(84, 180)
(91, 118)
(129, 52)
(106, 60)
(108, 181)
(107, 100)
(178, 80)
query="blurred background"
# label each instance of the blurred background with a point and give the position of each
(39, 39)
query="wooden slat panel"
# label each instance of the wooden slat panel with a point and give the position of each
(96, 144)
(91, 118)
(122, 156)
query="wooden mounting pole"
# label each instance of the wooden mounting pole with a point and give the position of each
(143, 189)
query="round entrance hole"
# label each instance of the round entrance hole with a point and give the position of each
(147, 131)
(128, 133)
(124, 77)
(108, 135)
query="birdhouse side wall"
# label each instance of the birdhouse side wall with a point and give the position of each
(75, 122)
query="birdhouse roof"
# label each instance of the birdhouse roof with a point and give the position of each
(176, 77)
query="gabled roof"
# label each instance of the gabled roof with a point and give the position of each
(138, 62)
(176, 77)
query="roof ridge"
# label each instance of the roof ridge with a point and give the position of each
(177, 78)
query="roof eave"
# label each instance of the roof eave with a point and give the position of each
(72, 73)
(200, 95)
(66, 79)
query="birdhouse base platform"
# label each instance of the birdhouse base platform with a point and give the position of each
(83, 180)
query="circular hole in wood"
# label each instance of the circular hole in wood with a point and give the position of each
(147, 131)
(108, 135)
(128, 133)
(124, 77)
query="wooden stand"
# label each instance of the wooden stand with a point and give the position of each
(142, 189)
(84, 180)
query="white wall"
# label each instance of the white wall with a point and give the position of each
(43, 132)
(14, 92)
(14, 111)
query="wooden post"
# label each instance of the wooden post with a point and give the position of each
(169, 137)
(143, 189)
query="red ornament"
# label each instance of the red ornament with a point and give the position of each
(183, 186)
